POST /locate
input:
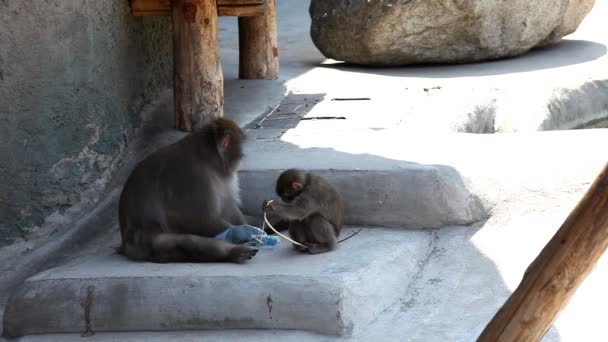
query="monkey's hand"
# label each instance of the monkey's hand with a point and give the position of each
(268, 205)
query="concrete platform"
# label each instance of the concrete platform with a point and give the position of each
(456, 292)
(527, 182)
(405, 179)
(377, 190)
(335, 293)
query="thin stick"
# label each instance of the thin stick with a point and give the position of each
(281, 235)
(295, 242)
(259, 124)
(351, 235)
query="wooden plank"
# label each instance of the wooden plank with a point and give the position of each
(241, 10)
(258, 46)
(199, 82)
(246, 8)
(557, 272)
(151, 13)
(151, 7)
(239, 2)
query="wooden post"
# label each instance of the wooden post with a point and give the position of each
(258, 46)
(199, 82)
(557, 272)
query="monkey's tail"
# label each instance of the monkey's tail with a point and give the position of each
(351, 235)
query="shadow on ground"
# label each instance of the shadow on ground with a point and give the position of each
(453, 296)
(455, 293)
(458, 288)
(565, 53)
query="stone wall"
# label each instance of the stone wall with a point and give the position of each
(74, 75)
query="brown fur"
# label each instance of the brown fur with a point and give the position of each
(181, 196)
(313, 207)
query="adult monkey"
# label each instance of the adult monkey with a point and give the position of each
(181, 196)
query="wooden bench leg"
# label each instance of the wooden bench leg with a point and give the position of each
(258, 46)
(199, 82)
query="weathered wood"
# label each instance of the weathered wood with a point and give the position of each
(557, 272)
(241, 10)
(199, 82)
(151, 7)
(258, 45)
(238, 2)
(224, 7)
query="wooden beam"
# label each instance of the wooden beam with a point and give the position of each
(239, 2)
(239, 8)
(557, 272)
(254, 10)
(258, 46)
(199, 82)
(150, 7)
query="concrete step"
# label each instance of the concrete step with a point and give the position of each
(336, 293)
(400, 178)
(456, 292)
(377, 190)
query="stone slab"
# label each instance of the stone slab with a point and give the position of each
(397, 178)
(333, 293)
(377, 190)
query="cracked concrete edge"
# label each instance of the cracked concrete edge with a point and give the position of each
(334, 305)
(416, 197)
(87, 227)
(56, 240)
(68, 235)
(386, 290)
(50, 306)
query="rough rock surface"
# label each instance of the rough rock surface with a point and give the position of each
(398, 32)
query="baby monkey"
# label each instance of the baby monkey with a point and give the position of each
(312, 207)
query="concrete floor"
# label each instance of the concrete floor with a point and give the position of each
(527, 181)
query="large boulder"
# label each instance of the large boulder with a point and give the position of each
(398, 32)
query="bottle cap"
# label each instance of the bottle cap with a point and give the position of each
(272, 240)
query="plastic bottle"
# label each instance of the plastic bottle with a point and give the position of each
(245, 233)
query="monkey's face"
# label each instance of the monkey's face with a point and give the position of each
(229, 139)
(290, 184)
(289, 194)
(234, 153)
